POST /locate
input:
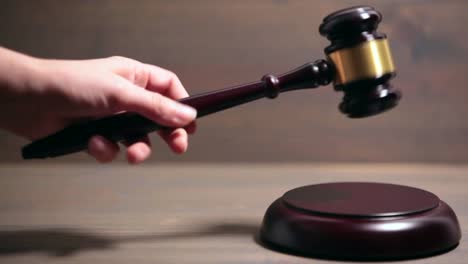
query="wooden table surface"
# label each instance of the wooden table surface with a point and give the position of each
(179, 213)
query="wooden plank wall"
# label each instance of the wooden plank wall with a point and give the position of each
(212, 44)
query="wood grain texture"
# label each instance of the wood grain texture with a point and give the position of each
(238, 42)
(168, 213)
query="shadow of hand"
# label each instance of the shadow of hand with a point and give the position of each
(58, 242)
(66, 242)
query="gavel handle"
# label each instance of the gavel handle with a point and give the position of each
(129, 125)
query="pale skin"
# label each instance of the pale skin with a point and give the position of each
(41, 96)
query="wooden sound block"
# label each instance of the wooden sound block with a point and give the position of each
(360, 221)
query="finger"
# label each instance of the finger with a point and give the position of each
(138, 150)
(128, 68)
(176, 139)
(154, 106)
(102, 149)
(165, 82)
(149, 76)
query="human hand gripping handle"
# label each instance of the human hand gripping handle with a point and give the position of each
(131, 125)
(41, 96)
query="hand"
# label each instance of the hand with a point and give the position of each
(39, 97)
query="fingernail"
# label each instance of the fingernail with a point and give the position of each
(186, 113)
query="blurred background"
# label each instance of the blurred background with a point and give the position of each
(213, 44)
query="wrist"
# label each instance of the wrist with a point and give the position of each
(19, 73)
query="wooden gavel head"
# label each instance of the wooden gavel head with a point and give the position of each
(362, 61)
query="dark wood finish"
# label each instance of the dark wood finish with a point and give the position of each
(360, 221)
(351, 26)
(174, 213)
(131, 125)
(361, 199)
(206, 38)
(363, 96)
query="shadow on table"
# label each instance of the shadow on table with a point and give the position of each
(66, 242)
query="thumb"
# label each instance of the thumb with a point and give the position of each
(159, 108)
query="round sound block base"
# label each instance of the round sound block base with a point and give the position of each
(360, 221)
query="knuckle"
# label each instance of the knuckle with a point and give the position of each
(172, 77)
(118, 96)
(119, 58)
(171, 74)
(140, 74)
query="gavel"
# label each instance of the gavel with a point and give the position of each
(359, 63)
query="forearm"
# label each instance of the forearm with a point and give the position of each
(17, 71)
(20, 76)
